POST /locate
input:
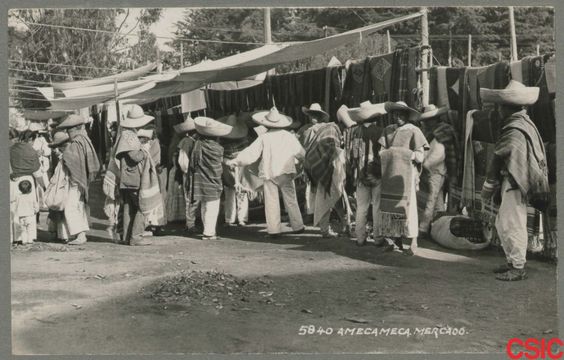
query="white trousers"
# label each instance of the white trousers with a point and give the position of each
(435, 202)
(366, 196)
(76, 211)
(310, 198)
(236, 206)
(210, 212)
(272, 206)
(511, 225)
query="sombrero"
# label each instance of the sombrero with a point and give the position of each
(59, 139)
(367, 111)
(515, 93)
(240, 129)
(185, 126)
(36, 126)
(272, 119)
(401, 106)
(71, 121)
(432, 111)
(211, 127)
(315, 110)
(136, 118)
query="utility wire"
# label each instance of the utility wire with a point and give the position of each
(48, 73)
(67, 65)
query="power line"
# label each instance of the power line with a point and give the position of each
(137, 35)
(48, 73)
(67, 65)
(30, 81)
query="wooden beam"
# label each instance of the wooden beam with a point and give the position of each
(514, 56)
(425, 55)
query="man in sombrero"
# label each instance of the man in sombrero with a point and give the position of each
(278, 151)
(439, 167)
(206, 167)
(517, 171)
(367, 166)
(131, 158)
(316, 118)
(403, 147)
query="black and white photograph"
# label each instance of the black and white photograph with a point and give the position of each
(283, 180)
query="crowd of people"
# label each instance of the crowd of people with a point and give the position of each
(239, 157)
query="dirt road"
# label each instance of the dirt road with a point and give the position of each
(92, 299)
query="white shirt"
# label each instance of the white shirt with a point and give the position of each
(435, 159)
(278, 151)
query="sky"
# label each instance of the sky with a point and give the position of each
(164, 27)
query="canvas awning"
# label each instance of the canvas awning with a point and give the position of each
(232, 68)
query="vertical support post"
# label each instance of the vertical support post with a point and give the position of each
(538, 49)
(470, 50)
(267, 28)
(116, 94)
(450, 45)
(181, 54)
(389, 41)
(425, 56)
(514, 56)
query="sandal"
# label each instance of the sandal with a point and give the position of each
(512, 275)
(502, 268)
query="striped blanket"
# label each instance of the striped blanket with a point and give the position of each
(207, 170)
(322, 149)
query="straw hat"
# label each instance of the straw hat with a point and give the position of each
(145, 133)
(240, 129)
(211, 127)
(367, 111)
(71, 121)
(59, 139)
(272, 119)
(432, 111)
(36, 126)
(401, 106)
(316, 111)
(136, 118)
(185, 126)
(514, 94)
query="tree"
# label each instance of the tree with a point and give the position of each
(53, 51)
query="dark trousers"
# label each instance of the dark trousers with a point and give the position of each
(133, 219)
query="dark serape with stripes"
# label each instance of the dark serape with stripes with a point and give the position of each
(206, 168)
(318, 162)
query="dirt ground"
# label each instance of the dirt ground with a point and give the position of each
(93, 298)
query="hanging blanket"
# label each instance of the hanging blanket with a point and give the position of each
(81, 161)
(318, 162)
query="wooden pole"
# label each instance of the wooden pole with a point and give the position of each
(181, 54)
(267, 28)
(449, 46)
(514, 56)
(425, 56)
(470, 50)
(538, 49)
(389, 41)
(116, 94)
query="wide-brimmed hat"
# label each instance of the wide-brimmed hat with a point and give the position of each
(71, 121)
(316, 111)
(136, 118)
(401, 106)
(367, 111)
(185, 126)
(240, 129)
(515, 93)
(210, 127)
(432, 111)
(36, 126)
(59, 139)
(272, 119)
